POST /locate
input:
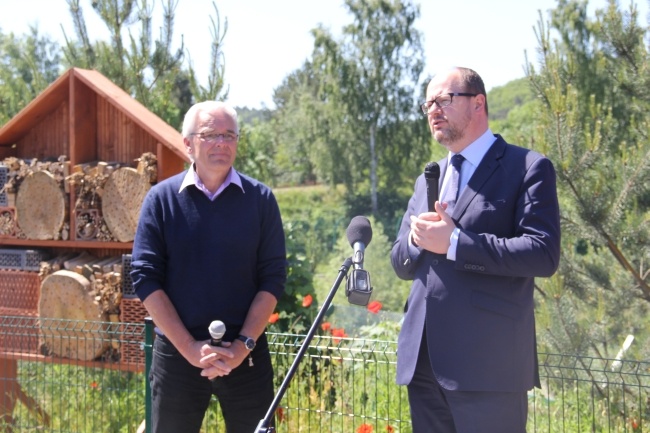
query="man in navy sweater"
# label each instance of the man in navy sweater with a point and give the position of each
(210, 246)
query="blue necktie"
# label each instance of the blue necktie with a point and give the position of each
(454, 182)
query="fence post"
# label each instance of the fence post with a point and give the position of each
(148, 354)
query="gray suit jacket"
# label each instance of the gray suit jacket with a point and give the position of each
(478, 309)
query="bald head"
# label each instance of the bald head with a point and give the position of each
(467, 79)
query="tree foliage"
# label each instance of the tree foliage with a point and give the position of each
(27, 66)
(593, 82)
(146, 67)
(355, 100)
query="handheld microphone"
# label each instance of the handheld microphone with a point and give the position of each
(216, 329)
(359, 289)
(431, 176)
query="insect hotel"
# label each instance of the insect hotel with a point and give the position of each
(75, 165)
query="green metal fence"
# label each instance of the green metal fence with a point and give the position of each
(341, 384)
(70, 376)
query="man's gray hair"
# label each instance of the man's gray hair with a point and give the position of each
(189, 122)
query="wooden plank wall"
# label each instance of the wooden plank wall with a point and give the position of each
(119, 139)
(47, 139)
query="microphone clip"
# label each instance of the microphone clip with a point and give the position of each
(358, 288)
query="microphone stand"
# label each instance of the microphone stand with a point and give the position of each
(263, 426)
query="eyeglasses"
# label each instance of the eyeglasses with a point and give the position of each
(442, 101)
(213, 137)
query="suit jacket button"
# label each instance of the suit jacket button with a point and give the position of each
(481, 268)
(434, 262)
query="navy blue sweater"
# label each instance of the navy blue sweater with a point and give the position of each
(210, 257)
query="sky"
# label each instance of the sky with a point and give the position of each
(268, 39)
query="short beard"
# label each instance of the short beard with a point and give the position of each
(450, 136)
(455, 132)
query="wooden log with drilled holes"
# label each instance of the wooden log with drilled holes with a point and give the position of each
(69, 316)
(122, 199)
(40, 206)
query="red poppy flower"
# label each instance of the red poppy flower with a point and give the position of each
(364, 428)
(307, 300)
(274, 317)
(389, 428)
(338, 332)
(325, 326)
(374, 307)
(280, 415)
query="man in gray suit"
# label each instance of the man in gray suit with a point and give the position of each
(467, 348)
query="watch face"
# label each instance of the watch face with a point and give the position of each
(248, 342)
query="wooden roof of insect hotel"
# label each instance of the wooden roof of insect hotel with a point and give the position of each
(86, 117)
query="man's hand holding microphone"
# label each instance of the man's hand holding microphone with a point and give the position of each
(431, 230)
(217, 356)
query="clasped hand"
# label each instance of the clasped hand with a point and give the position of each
(432, 230)
(220, 360)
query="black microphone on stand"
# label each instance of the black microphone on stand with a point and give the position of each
(358, 232)
(358, 288)
(216, 329)
(431, 176)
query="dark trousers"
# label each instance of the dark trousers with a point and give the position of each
(180, 395)
(438, 410)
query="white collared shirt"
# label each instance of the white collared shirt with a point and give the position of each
(473, 154)
(192, 178)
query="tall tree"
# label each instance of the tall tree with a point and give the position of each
(594, 123)
(146, 67)
(300, 129)
(368, 83)
(216, 88)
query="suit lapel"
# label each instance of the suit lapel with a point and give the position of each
(486, 167)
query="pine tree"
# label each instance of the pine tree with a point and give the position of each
(593, 84)
(147, 68)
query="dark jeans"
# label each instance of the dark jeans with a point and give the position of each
(180, 395)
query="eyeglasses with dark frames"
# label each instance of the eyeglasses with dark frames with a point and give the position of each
(443, 100)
